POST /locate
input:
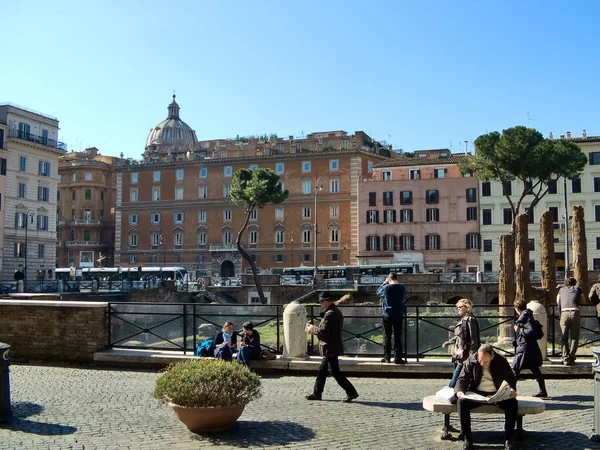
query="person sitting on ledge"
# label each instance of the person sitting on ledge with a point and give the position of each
(225, 342)
(250, 345)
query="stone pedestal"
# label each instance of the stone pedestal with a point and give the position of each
(94, 286)
(596, 368)
(60, 286)
(20, 286)
(540, 314)
(294, 334)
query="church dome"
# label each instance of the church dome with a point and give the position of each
(171, 136)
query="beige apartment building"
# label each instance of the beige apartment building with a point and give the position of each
(420, 210)
(3, 169)
(174, 208)
(87, 188)
(32, 149)
(496, 215)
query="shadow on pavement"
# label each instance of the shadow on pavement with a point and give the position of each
(567, 406)
(19, 422)
(535, 440)
(573, 398)
(406, 405)
(245, 433)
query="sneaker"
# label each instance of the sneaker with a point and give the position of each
(508, 445)
(349, 398)
(385, 360)
(399, 361)
(541, 394)
(313, 397)
(468, 445)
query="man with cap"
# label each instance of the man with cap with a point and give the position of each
(329, 332)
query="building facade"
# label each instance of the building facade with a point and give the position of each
(174, 208)
(496, 215)
(33, 149)
(420, 210)
(3, 169)
(87, 198)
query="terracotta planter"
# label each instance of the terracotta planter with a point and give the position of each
(203, 420)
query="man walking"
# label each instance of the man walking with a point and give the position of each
(329, 332)
(569, 299)
(484, 375)
(392, 296)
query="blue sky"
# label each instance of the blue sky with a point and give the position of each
(418, 74)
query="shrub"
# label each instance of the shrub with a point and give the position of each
(206, 383)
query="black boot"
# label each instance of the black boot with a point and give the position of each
(542, 385)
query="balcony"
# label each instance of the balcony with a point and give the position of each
(17, 134)
(81, 243)
(86, 222)
(223, 248)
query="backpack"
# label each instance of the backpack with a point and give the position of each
(594, 294)
(205, 348)
(538, 329)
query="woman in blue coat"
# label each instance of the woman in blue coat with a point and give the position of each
(225, 342)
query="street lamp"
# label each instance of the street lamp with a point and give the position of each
(29, 215)
(161, 242)
(292, 242)
(316, 228)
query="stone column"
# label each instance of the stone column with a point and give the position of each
(580, 265)
(294, 334)
(540, 314)
(523, 282)
(506, 288)
(548, 255)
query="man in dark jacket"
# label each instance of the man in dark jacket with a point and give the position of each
(484, 375)
(569, 299)
(329, 332)
(392, 296)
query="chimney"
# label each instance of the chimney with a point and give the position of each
(291, 138)
(551, 136)
(562, 136)
(568, 135)
(584, 134)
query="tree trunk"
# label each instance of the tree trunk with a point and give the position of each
(580, 266)
(246, 256)
(548, 256)
(506, 287)
(523, 282)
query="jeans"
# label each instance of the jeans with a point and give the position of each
(510, 407)
(392, 325)
(333, 364)
(245, 356)
(457, 368)
(570, 326)
(224, 353)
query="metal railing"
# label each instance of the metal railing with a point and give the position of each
(18, 134)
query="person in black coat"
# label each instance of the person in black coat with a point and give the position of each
(329, 332)
(225, 342)
(528, 354)
(250, 345)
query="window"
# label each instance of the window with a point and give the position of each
(306, 187)
(227, 215)
(334, 165)
(3, 163)
(334, 185)
(179, 174)
(227, 171)
(41, 251)
(133, 195)
(19, 250)
(73, 194)
(487, 266)
(279, 168)
(253, 166)
(201, 216)
(87, 215)
(156, 175)
(42, 223)
(155, 217)
(406, 197)
(439, 173)
(507, 216)
(279, 236)
(554, 211)
(552, 189)
(596, 184)
(594, 160)
(334, 211)
(101, 195)
(486, 189)
(22, 190)
(134, 177)
(389, 216)
(133, 219)
(155, 194)
(414, 174)
(406, 215)
(253, 237)
(597, 242)
(306, 236)
(473, 241)
(280, 148)
(369, 166)
(133, 240)
(223, 153)
(88, 176)
(576, 185)
(345, 144)
(406, 242)
(20, 220)
(306, 212)
(178, 217)
(372, 243)
(372, 198)
(388, 198)
(22, 164)
(431, 197)
(133, 258)
(487, 245)
(507, 188)
(202, 191)
(88, 194)
(597, 213)
(471, 213)
(486, 216)
(202, 238)
(44, 169)
(74, 176)
(87, 235)
(334, 236)
(179, 193)
(178, 238)
(432, 215)
(432, 242)
(531, 243)
(372, 216)
(203, 172)
(471, 194)
(389, 243)
(226, 190)
(58, 196)
(386, 176)
(306, 166)
(279, 213)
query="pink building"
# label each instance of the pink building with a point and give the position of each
(420, 209)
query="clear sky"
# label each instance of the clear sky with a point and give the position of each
(417, 74)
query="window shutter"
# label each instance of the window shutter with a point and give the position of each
(395, 243)
(377, 216)
(378, 243)
(367, 221)
(394, 215)
(426, 242)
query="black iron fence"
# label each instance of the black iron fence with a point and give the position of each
(180, 327)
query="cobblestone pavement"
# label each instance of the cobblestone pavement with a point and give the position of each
(83, 408)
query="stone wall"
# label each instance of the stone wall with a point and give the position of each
(53, 330)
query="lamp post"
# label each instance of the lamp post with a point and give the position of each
(161, 242)
(567, 249)
(316, 228)
(29, 215)
(292, 242)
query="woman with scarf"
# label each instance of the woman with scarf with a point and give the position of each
(225, 342)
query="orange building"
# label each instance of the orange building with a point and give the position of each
(420, 210)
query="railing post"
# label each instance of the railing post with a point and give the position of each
(278, 308)
(417, 331)
(195, 327)
(109, 325)
(184, 329)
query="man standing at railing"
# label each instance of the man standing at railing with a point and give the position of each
(569, 299)
(392, 296)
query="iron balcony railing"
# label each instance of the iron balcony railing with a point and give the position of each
(18, 134)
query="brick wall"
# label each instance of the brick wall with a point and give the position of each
(53, 330)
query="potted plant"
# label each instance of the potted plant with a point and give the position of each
(207, 394)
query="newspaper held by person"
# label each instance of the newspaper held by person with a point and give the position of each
(502, 394)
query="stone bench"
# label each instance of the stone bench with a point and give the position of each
(527, 405)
